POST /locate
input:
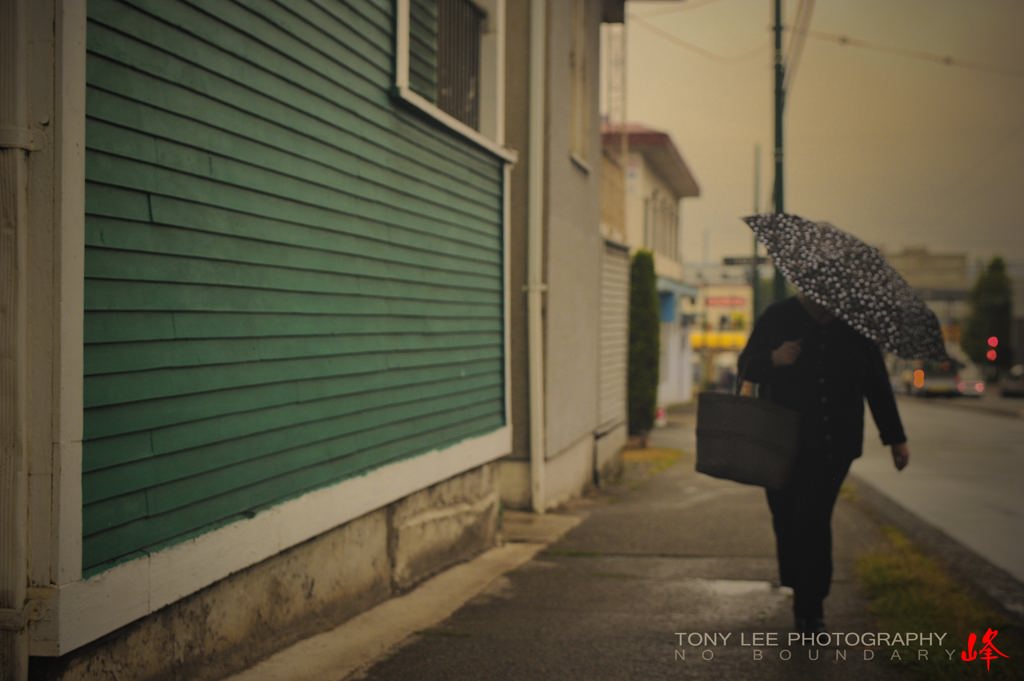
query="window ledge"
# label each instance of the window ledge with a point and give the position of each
(427, 107)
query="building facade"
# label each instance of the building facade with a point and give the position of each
(262, 305)
(656, 181)
(720, 318)
(565, 432)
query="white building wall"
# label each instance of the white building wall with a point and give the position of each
(574, 244)
(670, 385)
(676, 384)
(642, 182)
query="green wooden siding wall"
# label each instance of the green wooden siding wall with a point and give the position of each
(290, 280)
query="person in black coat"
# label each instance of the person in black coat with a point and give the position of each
(805, 359)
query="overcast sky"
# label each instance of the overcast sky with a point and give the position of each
(901, 151)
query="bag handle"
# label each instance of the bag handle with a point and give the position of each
(744, 388)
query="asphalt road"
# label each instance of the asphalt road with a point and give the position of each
(966, 475)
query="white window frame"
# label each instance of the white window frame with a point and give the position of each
(491, 135)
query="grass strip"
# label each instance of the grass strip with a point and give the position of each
(909, 591)
(650, 461)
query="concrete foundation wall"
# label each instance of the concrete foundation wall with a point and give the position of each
(569, 473)
(608, 446)
(442, 525)
(514, 483)
(566, 476)
(308, 588)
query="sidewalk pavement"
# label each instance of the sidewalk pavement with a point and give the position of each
(662, 551)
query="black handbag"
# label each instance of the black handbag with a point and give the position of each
(745, 439)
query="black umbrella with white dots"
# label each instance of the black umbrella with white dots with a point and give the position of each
(853, 281)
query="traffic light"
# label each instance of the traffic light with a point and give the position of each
(993, 343)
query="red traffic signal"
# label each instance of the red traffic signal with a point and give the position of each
(991, 355)
(993, 342)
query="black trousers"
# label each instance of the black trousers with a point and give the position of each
(802, 519)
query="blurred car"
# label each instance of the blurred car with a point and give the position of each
(1012, 385)
(971, 381)
(929, 379)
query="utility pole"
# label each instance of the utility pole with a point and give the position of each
(779, 288)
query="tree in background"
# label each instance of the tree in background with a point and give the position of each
(990, 315)
(644, 340)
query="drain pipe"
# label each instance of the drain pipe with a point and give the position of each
(15, 141)
(535, 286)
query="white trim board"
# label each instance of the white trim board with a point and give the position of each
(426, 106)
(91, 608)
(67, 454)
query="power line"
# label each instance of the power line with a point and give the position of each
(944, 59)
(797, 41)
(837, 38)
(696, 49)
(686, 6)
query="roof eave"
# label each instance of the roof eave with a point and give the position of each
(673, 169)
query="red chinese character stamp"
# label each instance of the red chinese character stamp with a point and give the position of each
(987, 652)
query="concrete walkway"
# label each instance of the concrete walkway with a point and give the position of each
(661, 576)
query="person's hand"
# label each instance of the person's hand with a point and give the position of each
(900, 455)
(786, 354)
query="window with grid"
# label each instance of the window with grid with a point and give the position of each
(445, 54)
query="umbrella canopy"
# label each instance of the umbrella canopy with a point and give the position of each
(853, 281)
